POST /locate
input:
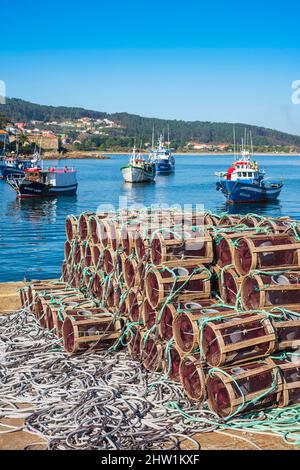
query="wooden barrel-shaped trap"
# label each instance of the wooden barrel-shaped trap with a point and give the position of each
(57, 312)
(98, 285)
(251, 220)
(71, 227)
(242, 388)
(96, 332)
(38, 287)
(141, 246)
(276, 225)
(264, 290)
(128, 233)
(97, 256)
(165, 320)
(83, 226)
(149, 315)
(229, 285)
(238, 339)
(186, 325)
(86, 254)
(152, 352)
(130, 272)
(289, 366)
(108, 256)
(119, 300)
(88, 280)
(133, 339)
(171, 361)
(24, 299)
(170, 245)
(266, 252)
(134, 304)
(94, 227)
(229, 220)
(287, 331)
(192, 377)
(181, 283)
(211, 219)
(224, 244)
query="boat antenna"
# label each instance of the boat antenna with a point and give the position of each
(234, 145)
(153, 137)
(168, 135)
(4, 146)
(251, 140)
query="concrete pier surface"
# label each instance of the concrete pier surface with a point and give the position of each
(220, 440)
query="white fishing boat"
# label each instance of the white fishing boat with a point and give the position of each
(138, 170)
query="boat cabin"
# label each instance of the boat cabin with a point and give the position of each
(53, 176)
(243, 170)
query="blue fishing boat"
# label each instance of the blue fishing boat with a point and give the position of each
(16, 167)
(244, 182)
(163, 158)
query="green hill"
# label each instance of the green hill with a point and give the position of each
(181, 132)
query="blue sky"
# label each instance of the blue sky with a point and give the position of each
(208, 60)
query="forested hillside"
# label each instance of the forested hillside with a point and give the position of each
(181, 132)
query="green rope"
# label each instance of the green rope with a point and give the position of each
(167, 354)
(281, 422)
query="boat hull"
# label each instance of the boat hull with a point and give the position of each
(27, 189)
(243, 192)
(133, 174)
(10, 171)
(164, 167)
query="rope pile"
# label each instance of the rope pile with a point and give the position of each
(205, 299)
(89, 401)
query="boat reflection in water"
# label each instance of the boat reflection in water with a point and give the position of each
(35, 210)
(272, 209)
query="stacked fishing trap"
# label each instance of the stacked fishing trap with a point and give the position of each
(211, 301)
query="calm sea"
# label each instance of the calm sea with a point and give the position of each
(32, 231)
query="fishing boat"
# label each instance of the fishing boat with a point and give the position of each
(3, 157)
(138, 170)
(16, 167)
(162, 157)
(50, 182)
(245, 182)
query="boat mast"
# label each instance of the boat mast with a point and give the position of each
(234, 144)
(153, 137)
(4, 146)
(17, 146)
(251, 141)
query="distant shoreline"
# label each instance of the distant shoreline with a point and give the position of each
(78, 155)
(211, 154)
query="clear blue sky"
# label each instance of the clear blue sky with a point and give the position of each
(208, 60)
